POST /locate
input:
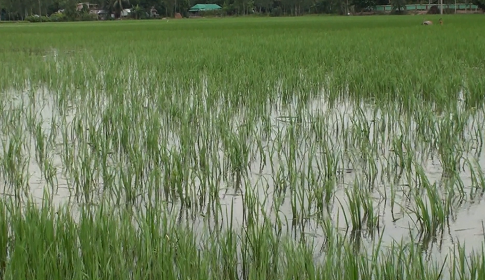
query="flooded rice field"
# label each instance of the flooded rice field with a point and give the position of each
(370, 172)
(302, 148)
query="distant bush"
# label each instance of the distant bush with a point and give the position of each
(32, 19)
(37, 19)
(448, 11)
(276, 12)
(139, 13)
(399, 12)
(434, 10)
(58, 17)
(213, 13)
(88, 17)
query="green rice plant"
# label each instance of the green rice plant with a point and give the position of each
(40, 147)
(465, 267)
(361, 209)
(4, 238)
(432, 214)
(238, 152)
(251, 209)
(153, 245)
(160, 144)
(476, 175)
(450, 157)
(14, 164)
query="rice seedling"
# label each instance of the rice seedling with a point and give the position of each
(240, 148)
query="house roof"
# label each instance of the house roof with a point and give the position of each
(204, 7)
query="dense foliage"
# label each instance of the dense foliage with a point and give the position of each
(480, 3)
(17, 10)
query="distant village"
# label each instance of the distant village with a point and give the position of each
(104, 14)
(86, 11)
(196, 10)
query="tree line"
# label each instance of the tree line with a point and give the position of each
(21, 9)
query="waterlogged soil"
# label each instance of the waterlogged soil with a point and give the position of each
(464, 226)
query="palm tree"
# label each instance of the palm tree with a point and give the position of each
(115, 6)
(118, 5)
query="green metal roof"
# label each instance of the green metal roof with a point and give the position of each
(204, 7)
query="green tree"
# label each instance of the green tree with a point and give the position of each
(363, 4)
(480, 4)
(398, 6)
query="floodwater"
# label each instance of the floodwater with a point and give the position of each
(466, 225)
